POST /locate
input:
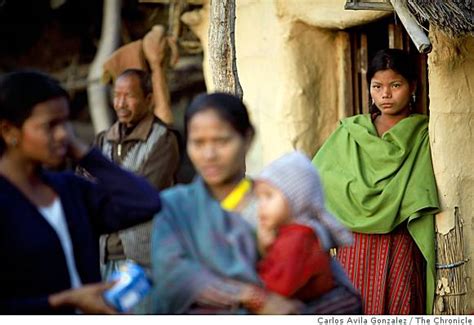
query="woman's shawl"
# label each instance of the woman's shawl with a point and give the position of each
(373, 184)
(194, 243)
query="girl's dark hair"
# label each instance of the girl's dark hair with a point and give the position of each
(230, 108)
(394, 59)
(143, 77)
(21, 91)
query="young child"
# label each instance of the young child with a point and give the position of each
(295, 262)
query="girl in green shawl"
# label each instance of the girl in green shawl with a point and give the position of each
(378, 180)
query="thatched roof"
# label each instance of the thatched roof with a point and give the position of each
(454, 17)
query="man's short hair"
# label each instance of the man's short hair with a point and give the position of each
(143, 77)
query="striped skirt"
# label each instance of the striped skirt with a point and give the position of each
(388, 270)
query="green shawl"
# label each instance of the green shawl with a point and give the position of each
(373, 184)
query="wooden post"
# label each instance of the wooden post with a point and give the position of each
(344, 73)
(364, 66)
(175, 11)
(395, 36)
(96, 91)
(222, 56)
(355, 53)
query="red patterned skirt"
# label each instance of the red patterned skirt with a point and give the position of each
(388, 270)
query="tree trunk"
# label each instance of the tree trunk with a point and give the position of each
(96, 91)
(222, 56)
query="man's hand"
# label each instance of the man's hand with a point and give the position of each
(155, 45)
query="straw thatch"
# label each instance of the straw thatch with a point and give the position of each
(454, 17)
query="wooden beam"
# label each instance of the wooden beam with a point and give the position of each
(416, 33)
(368, 5)
(189, 2)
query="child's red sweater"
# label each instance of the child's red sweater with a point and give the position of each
(295, 265)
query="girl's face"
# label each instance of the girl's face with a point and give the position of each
(391, 93)
(43, 137)
(216, 149)
(273, 207)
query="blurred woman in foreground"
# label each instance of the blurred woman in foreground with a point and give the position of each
(204, 251)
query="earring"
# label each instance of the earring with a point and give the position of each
(13, 142)
(413, 97)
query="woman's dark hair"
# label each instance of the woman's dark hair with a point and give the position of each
(394, 59)
(143, 77)
(21, 91)
(230, 108)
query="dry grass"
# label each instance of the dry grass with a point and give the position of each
(451, 288)
(454, 17)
